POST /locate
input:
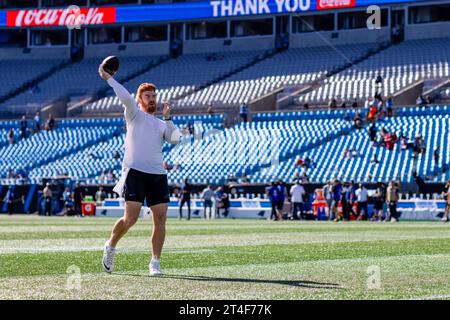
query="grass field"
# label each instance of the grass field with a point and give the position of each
(226, 259)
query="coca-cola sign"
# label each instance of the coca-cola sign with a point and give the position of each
(334, 4)
(60, 17)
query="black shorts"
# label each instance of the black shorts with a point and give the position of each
(140, 186)
(378, 205)
(279, 205)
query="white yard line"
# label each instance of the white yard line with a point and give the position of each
(192, 242)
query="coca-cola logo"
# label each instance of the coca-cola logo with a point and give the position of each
(60, 17)
(333, 4)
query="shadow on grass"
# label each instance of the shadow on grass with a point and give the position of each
(293, 283)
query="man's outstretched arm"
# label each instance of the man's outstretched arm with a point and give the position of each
(122, 93)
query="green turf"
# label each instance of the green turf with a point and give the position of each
(226, 259)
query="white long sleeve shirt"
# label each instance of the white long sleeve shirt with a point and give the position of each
(145, 135)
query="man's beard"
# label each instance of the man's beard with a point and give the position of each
(150, 108)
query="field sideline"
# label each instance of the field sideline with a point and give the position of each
(226, 259)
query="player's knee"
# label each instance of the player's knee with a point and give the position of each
(129, 222)
(159, 219)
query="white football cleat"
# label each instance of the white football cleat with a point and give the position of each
(155, 268)
(108, 258)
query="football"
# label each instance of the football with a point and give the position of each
(111, 64)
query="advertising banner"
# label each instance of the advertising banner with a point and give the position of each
(174, 11)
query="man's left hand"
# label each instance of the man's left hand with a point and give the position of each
(166, 109)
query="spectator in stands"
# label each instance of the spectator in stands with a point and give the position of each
(103, 176)
(308, 163)
(362, 201)
(298, 161)
(306, 106)
(185, 197)
(117, 155)
(382, 111)
(22, 176)
(210, 109)
(392, 199)
(428, 100)
(47, 194)
(358, 120)
(23, 127)
(297, 194)
(355, 153)
(167, 166)
(403, 143)
(372, 116)
(304, 176)
(372, 132)
(389, 106)
(347, 116)
(100, 196)
(110, 177)
(374, 159)
(77, 199)
(420, 101)
(347, 154)
(207, 196)
(436, 156)
(355, 103)
(243, 112)
(390, 139)
(332, 104)
(50, 124)
(37, 122)
(418, 146)
(244, 179)
(446, 196)
(189, 128)
(10, 174)
(343, 104)
(11, 136)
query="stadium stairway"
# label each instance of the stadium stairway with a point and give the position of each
(268, 54)
(431, 122)
(248, 147)
(317, 84)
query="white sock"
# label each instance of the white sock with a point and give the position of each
(109, 245)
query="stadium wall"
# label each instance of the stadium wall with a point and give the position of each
(314, 39)
(232, 44)
(427, 30)
(35, 53)
(158, 48)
